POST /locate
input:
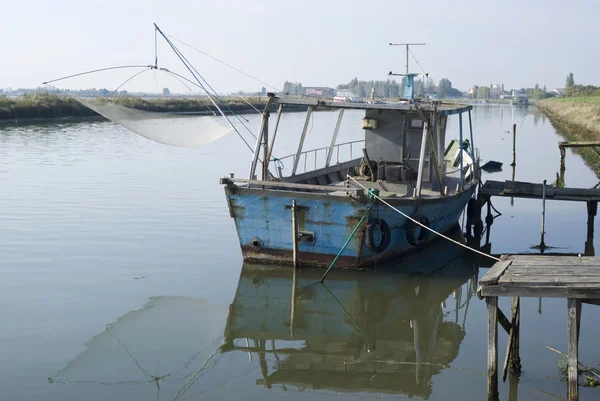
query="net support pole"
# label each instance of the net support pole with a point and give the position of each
(334, 138)
(301, 144)
(259, 139)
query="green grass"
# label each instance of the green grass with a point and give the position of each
(576, 119)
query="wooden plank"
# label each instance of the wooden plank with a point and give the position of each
(540, 291)
(279, 184)
(511, 336)
(503, 321)
(554, 270)
(556, 261)
(520, 189)
(578, 144)
(492, 276)
(574, 309)
(492, 307)
(579, 277)
(572, 282)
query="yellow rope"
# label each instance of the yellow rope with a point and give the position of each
(424, 226)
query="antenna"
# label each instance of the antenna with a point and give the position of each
(407, 45)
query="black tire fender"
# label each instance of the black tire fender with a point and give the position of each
(386, 235)
(411, 229)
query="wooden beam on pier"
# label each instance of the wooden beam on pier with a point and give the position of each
(518, 189)
(578, 144)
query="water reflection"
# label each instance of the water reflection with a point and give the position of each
(167, 343)
(386, 332)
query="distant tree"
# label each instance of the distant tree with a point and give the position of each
(536, 87)
(570, 80)
(444, 88)
(475, 90)
(166, 92)
(429, 86)
(419, 88)
(483, 92)
(545, 89)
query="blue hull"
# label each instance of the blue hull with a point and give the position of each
(264, 225)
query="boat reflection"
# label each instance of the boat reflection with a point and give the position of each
(386, 331)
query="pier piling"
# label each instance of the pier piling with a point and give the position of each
(514, 150)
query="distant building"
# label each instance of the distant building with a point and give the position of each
(345, 93)
(263, 91)
(558, 91)
(319, 91)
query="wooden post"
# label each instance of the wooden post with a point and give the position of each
(294, 234)
(492, 307)
(563, 153)
(512, 199)
(513, 389)
(417, 345)
(515, 357)
(574, 308)
(293, 313)
(592, 208)
(514, 159)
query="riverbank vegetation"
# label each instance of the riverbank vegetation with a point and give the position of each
(41, 105)
(577, 119)
(47, 106)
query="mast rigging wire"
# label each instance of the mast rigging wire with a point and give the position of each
(129, 79)
(182, 57)
(191, 69)
(224, 63)
(98, 70)
(417, 61)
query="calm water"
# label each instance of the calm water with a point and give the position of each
(122, 279)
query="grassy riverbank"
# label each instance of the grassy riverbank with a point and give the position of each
(577, 119)
(43, 106)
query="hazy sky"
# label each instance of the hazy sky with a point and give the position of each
(319, 43)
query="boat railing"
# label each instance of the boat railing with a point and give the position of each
(320, 157)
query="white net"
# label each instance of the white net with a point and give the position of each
(166, 128)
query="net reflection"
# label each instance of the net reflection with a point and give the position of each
(388, 331)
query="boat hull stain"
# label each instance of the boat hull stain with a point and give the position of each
(264, 225)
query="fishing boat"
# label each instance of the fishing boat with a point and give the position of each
(407, 184)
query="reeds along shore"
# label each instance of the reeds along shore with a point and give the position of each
(577, 119)
(46, 106)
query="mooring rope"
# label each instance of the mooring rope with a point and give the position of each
(421, 224)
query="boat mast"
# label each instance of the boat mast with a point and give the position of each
(409, 92)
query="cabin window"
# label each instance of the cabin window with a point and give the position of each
(416, 123)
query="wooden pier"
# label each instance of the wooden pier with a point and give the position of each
(518, 189)
(575, 278)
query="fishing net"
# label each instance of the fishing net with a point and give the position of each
(155, 103)
(163, 127)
